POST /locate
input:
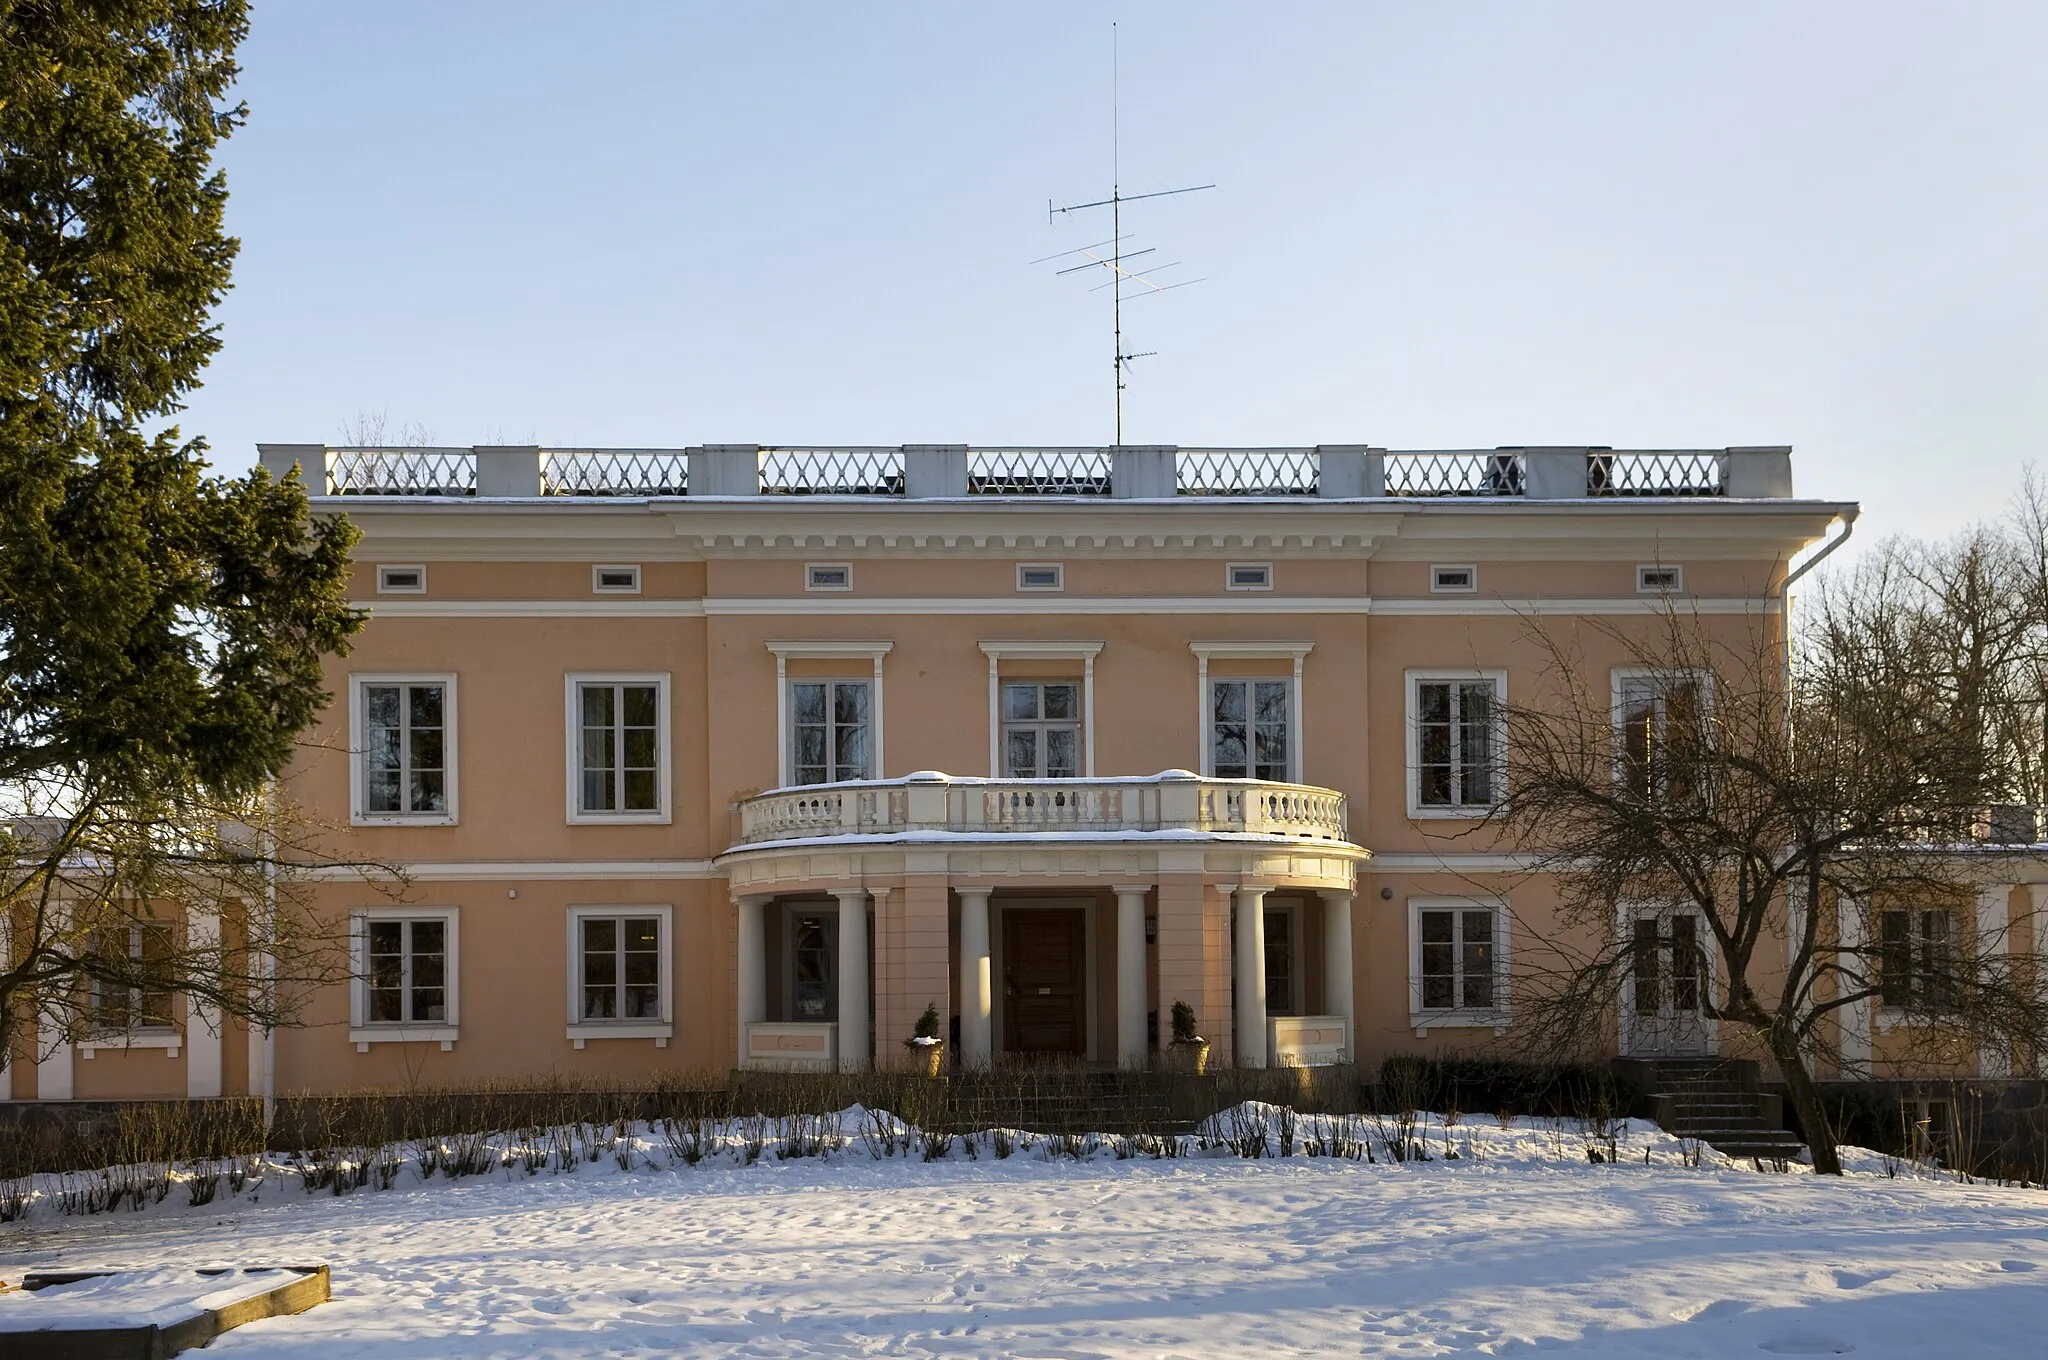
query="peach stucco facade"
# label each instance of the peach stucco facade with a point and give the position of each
(617, 861)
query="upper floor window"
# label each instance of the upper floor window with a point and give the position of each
(1454, 742)
(1248, 729)
(1041, 729)
(1661, 716)
(831, 730)
(619, 746)
(138, 994)
(405, 741)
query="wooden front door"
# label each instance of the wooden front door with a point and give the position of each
(1044, 968)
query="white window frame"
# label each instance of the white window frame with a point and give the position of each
(1888, 1016)
(362, 1031)
(1644, 586)
(597, 581)
(1437, 586)
(1419, 677)
(1043, 726)
(999, 652)
(811, 570)
(1230, 571)
(1059, 577)
(1205, 652)
(384, 586)
(169, 1036)
(1618, 680)
(1496, 1019)
(786, 652)
(451, 747)
(572, 721)
(581, 1031)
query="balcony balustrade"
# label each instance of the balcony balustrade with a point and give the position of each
(1173, 802)
(935, 471)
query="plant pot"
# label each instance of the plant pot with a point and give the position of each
(927, 1059)
(1189, 1057)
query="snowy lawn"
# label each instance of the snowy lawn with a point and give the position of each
(1519, 1244)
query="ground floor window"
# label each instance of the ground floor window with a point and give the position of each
(620, 970)
(1914, 967)
(134, 992)
(1283, 960)
(1457, 960)
(406, 979)
(813, 974)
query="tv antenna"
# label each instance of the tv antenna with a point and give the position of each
(1110, 255)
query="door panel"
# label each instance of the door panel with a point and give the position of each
(1666, 1000)
(1044, 971)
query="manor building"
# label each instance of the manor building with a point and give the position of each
(740, 756)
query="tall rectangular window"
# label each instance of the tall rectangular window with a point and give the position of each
(813, 966)
(831, 729)
(1041, 729)
(137, 995)
(1457, 743)
(618, 746)
(1915, 961)
(1662, 732)
(1457, 960)
(405, 971)
(404, 743)
(1282, 949)
(620, 967)
(1248, 729)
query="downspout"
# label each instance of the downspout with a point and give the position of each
(269, 1075)
(1848, 518)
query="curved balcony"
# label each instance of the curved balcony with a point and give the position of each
(1173, 802)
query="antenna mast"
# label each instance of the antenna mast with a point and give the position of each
(1114, 261)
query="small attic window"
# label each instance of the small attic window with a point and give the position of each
(828, 576)
(1454, 580)
(1659, 580)
(1250, 576)
(1041, 576)
(401, 580)
(615, 580)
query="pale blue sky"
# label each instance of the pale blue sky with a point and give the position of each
(1437, 225)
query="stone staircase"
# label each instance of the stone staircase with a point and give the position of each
(1716, 1100)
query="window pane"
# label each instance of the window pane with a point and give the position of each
(386, 937)
(641, 748)
(1433, 703)
(597, 705)
(1272, 701)
(428, 936)
(1229, 702)
(1476, 959)
(1436, 927)
(1279, 962)
(851, 755)
(600, 968)
(380, 705)
(426, 748)
(1020, 703)
(1649, 998)
(1020, 753)
(814, 962)
(1062, 701)
(1272, 751)
(850, 702)
(425, 705)
(428, 792)
(1685, 964)
(1059, 753)
(643, 707)
(1230, 763)
(810, 747)
(1894, 959)
(807, 701)
(1439, 960)
(600, 934)
(641, 794)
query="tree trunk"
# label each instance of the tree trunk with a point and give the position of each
(1813, 1119)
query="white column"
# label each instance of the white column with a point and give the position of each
(1855, 1017)
(1337, 966)
(2037, 908)
(1251, 977)
(1130, 974)
(750, 988)
(1993, 906)
(202, 1019)
(977, 995)
(853, 979)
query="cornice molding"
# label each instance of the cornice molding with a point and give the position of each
(1270, 606)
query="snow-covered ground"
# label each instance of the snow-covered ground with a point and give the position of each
(1519, 1243)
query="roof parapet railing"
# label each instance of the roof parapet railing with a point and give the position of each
(939, 471)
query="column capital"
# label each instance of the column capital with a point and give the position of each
(1120, 889)
(1337, 894)
(974, 889)
(851, 894)
(752, 899)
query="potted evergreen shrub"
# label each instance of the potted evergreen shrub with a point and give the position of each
(1189, 1051)
(928, 1050)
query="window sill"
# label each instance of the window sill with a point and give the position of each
(1425, 1021)
(619, 819)
(170, 1040)
(362, 1036)
(660, 1033)
(1469, 812)
(402, 819)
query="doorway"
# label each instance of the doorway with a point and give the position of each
(1667, 990)
(1045, 973)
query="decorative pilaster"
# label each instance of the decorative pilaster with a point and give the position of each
(750, 986)
(1338, 973)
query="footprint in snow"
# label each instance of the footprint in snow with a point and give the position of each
(1806, 1343)
(2018, 1267)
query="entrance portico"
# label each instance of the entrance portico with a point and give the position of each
(1044, 917)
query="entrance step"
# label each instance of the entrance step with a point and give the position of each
(1716, 1100)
